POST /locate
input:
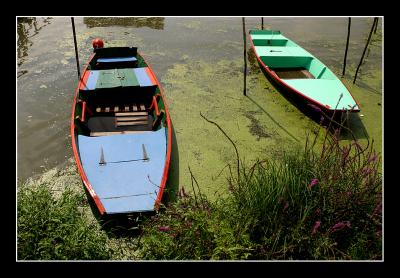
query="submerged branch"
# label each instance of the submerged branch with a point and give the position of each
(234, 145)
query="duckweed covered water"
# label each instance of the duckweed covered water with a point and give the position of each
(199, 62)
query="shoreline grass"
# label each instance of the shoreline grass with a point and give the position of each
(306, 203)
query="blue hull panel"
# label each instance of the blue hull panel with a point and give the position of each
(126, 182)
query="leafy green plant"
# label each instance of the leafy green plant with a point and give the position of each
(52, 228)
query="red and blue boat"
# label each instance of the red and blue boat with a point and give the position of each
(121, 131)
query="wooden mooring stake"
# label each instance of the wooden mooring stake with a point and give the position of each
(365, 48)
(347, 47)
(245, 60)
(262, 23)
(76, 48)
(376, 24)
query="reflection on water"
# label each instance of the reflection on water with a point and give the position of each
(151, 22)
(27, 27)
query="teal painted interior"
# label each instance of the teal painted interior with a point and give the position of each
(278, 52)
(263, 42)
(319, 70)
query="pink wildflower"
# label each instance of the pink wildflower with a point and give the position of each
(313, 183)
(340, 225)
(372, 158)
(366, 171)
(164, 228)
(316, 227)
(316, 108)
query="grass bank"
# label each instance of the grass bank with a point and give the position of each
(306, 203)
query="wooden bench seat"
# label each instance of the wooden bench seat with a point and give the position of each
(131, 118)
(121, 108)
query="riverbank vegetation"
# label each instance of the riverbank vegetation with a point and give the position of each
(307, 203)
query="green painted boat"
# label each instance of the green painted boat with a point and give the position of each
(301, 73)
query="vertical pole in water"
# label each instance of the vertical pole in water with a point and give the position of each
(365, 49)
(376, 24)
(76, 47)
(245, 60)
(262, 23)
(347, 46)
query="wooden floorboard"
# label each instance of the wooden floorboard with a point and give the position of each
(124, 119)
(143, 113)
(293, 73)
(94, 134)
(132, 123)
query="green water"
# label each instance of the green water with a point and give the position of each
(199, 62)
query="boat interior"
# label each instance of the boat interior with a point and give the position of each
(118, 95)
(286, 58)
(121, 135)
(301, 70)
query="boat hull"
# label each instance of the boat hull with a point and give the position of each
(324, 90)
(124, 172)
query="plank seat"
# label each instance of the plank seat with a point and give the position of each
(122, 108)
(117, 59)
(132, 123)
(140, 118)
(139, 113)
(131, 118)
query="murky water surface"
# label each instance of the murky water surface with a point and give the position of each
(199, 62)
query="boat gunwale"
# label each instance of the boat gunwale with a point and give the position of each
(81, 171)
(290, 88)
(169, 137)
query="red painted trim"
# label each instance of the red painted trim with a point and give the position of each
(83, 81)
(358, 105)
(282, 83)
(83, 111)
(74, 148)
(150, 74)
(155, 104)
(169, 139)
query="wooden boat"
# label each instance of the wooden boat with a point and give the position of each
(121, 132)
(298, 71)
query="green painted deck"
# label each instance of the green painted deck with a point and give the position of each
(326, 92)
(280, 53)
(116, 77)
(291, 51)
(268, 37)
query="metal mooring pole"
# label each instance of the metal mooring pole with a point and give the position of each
(262, 23)
(76, 48)
(347, 47)
(245, 60)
